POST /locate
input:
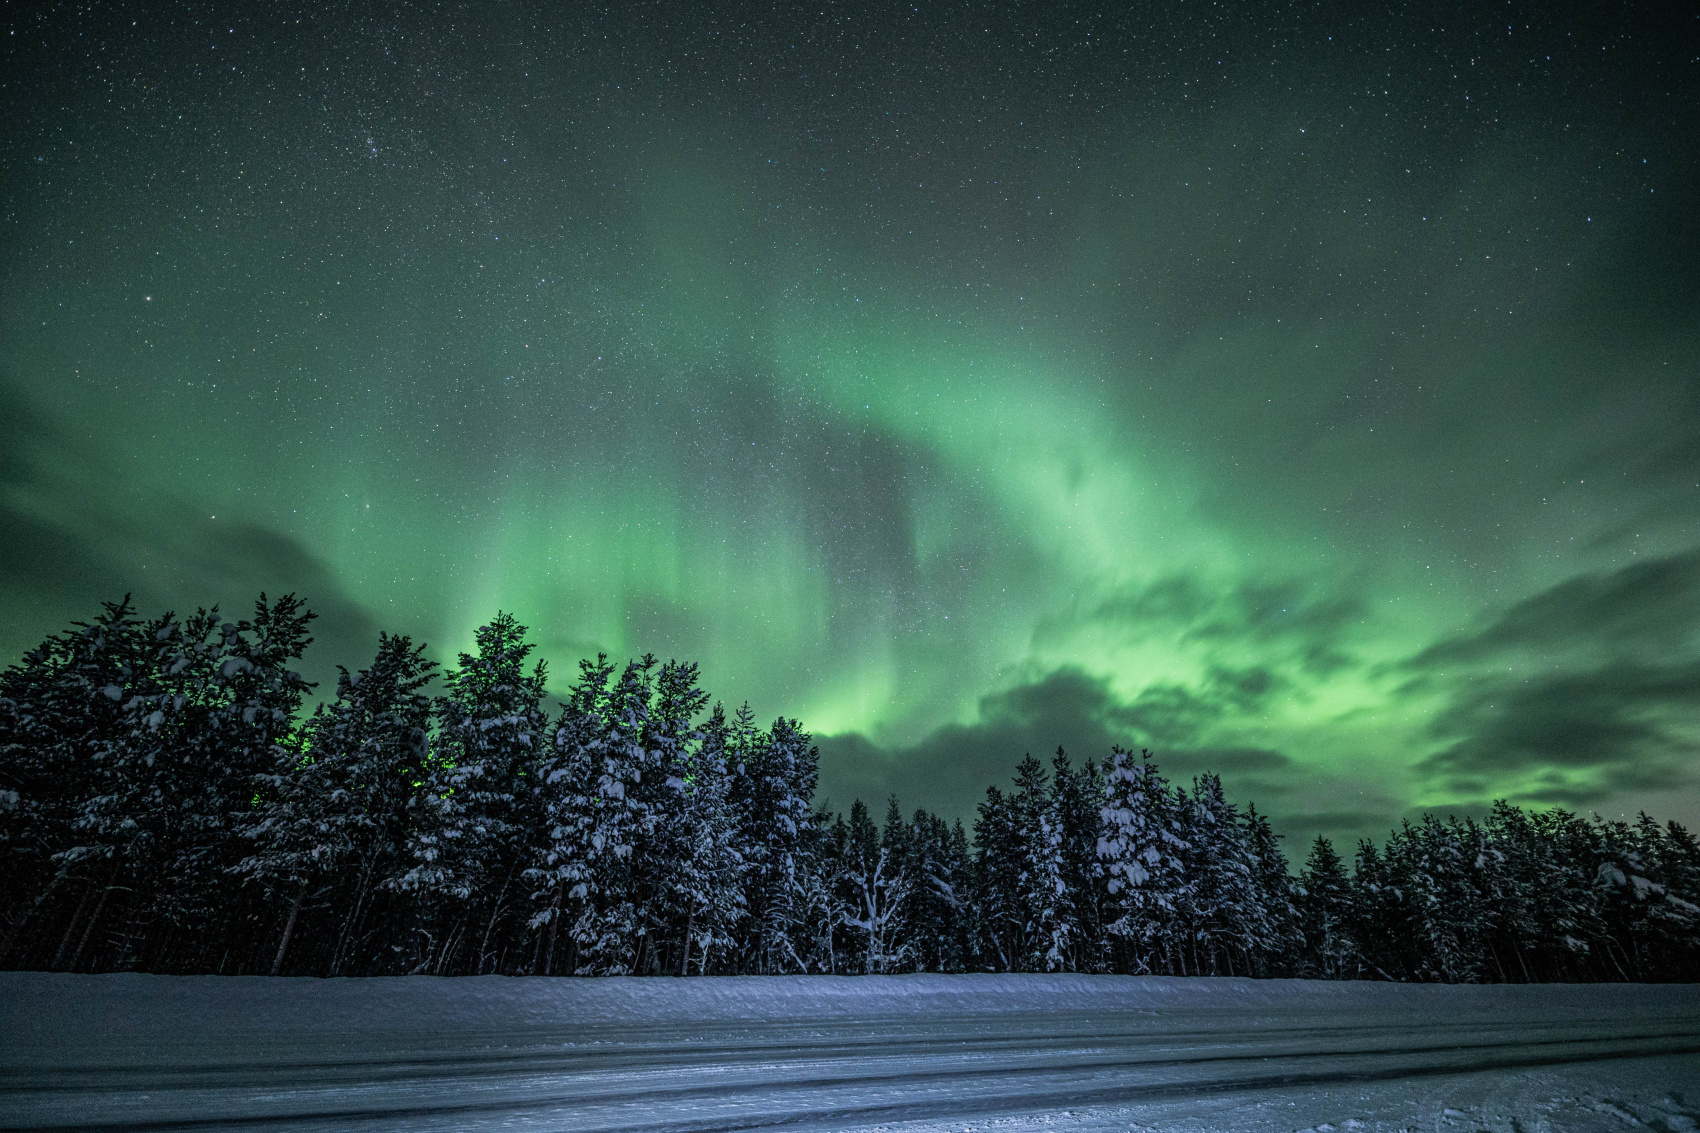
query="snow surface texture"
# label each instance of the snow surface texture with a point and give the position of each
(915, 1053)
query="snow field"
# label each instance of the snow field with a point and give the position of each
(922, 1053)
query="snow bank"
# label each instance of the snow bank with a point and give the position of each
(38, 1008)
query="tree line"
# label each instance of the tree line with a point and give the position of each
(167, 806)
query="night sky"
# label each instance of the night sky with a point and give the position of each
(1308, 393)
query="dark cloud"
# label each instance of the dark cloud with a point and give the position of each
(949, 770)
(1169, 715)
(1310, 625)
(1577, 695)
(1647, 606)
(76, 534)
(1622, 726)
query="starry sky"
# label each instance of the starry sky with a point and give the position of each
(1305, 392)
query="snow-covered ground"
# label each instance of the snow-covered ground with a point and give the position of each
(913, 1053)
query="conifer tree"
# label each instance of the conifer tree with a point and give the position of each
(999, 918)
(1511, 874)
(829, 900)
(713, 882)
(338, 810)
(182, 777)
(936, 859)
(689, 865)
(1650, 929)
(1040, 891)
(1325, 908)
(777, 784)
(625, 808)
(1225, 916)
(483, 803)
(1276, 938)
(1140, 846)
(1431, 862)
(1077, 797)
(877, 888)
(61, 719)
(1567, 897)
(858, 867)
(570, 867)
(1379, 915)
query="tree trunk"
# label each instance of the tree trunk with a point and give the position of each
(690, 922)
(70, 928)
(88, 929)
(353, 915)
(554, 928)
(289, 929)
(450, 943)
(484, 945)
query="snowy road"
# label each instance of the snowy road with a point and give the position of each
(917, 1052)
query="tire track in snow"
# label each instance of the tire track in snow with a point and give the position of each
(689, 1089)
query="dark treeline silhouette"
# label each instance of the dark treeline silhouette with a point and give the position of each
(166, 807)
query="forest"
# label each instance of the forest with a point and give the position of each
(167, 804)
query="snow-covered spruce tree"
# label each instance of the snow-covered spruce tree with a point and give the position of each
(854, 842)
(829, 900)
(1224, 914)
(1077, 796)
(334, 818)
(1276, 941)
(1654, 933)
(1325, 915)
(479, 809)
(184, 777)
(712, 882)
(935, 856)
(959, 884)
(1569, 895)
(773, 783)
(1679, 863)
(1682, 860)
(1022, 905)
(743, 741)
(1499, 899)
(876, 889)
(901, 879)
(1537, 938)
(60, 713)
(624, 784)
(293, 849)
(897, 843)
(1434, 862)
(689, 867)
(1050, 932)
(1039, 904)
(1140, 845)
(998, 919)
(1380, 917)
(567, 873)
(1504, 862)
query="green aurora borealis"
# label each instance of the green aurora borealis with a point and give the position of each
(1308, 395)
